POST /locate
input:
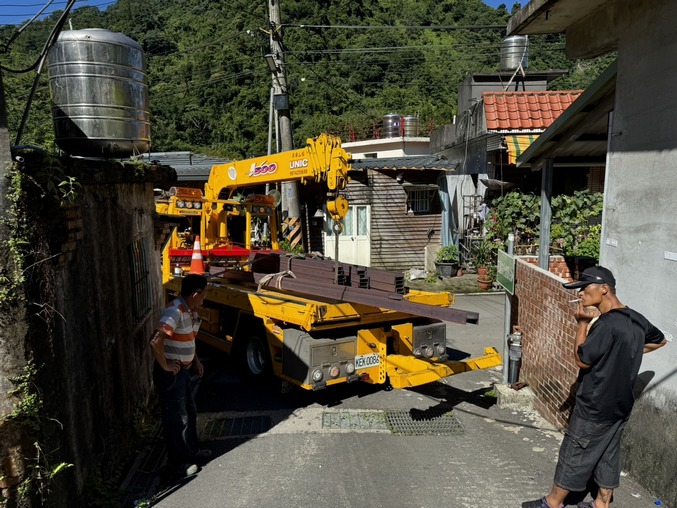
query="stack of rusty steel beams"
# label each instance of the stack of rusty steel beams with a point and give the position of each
(342, 282)
(325, 270)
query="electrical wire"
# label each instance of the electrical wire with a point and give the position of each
(53, 36)
(15, 15)
(403, 27)
(18, 32)
(210, 81)
(35, 5)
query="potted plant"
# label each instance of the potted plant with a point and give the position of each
(482, 258)
(446, 261)
(485, 281)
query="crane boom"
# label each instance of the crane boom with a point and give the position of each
(225, 223)
(322, 160)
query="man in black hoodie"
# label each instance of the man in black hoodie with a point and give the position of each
(609, 353)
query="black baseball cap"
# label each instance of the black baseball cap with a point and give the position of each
(593, 275)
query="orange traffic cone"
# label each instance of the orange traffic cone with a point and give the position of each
(196, 263)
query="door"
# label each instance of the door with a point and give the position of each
(354, 243)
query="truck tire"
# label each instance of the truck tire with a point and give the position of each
(256, 357)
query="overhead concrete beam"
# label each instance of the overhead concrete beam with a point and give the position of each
(550, 16)
(595, 34)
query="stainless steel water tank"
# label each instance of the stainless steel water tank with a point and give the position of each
(513, 50)
(392, 125)
(97, 80)
(411, 126)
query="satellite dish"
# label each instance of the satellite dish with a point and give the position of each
(275, 194)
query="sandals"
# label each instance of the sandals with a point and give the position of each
(542, 503)
(538, 503)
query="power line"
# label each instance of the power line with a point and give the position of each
(37, 5)
(403, 27)
(199, 46)
(26, 15)
(196, 84)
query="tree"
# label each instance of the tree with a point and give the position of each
(209, 84)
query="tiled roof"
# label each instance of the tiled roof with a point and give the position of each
(525, 110)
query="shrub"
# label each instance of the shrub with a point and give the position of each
(574, 231)
(448, 254)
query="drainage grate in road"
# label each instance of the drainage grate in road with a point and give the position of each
(429, 422)
(143, 478)
(239, 426)
(354, 420)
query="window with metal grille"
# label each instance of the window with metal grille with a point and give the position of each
(422, 200)
(356, 222)
(140, 278)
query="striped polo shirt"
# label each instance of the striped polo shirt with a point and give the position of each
(178, 323)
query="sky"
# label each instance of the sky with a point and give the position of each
(16, 12)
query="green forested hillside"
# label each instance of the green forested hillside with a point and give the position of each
(210, 85)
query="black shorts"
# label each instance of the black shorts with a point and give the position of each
(590, 447)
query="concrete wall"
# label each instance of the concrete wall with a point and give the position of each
(101, 355)
(640, 231)
(472, 87)
(92, 352)
(388, 147)
(639, 225)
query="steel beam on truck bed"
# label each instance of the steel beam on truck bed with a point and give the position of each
(374, 298)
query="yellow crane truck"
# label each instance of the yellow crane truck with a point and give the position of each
(312, 323)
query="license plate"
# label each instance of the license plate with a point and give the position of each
(366, 361)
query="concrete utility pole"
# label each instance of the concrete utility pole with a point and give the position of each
(290, 196)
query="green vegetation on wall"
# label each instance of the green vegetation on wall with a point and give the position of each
(42, 186)
(575, 229)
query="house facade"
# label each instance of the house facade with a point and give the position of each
(396, 197)
(639, 236)
(500, 121)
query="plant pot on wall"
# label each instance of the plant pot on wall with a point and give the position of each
(484, 284)
(447, 261)
(482, 272)
(446, 270)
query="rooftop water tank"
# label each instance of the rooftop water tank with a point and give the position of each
(97, 80)
(410, 126)
(515, 49)
(392, 125)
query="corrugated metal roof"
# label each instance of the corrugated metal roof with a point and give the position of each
(188, 165)
(402, 163)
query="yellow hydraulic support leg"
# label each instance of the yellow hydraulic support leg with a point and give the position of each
(407, 371)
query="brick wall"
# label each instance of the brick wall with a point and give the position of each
(542, 310)
(557, 265)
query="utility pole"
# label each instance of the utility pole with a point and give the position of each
(290, 195)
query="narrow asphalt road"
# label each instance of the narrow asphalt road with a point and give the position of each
(332, 448)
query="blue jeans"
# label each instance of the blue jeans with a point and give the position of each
(179, 414)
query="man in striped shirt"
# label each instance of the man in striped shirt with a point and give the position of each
(173, 346)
